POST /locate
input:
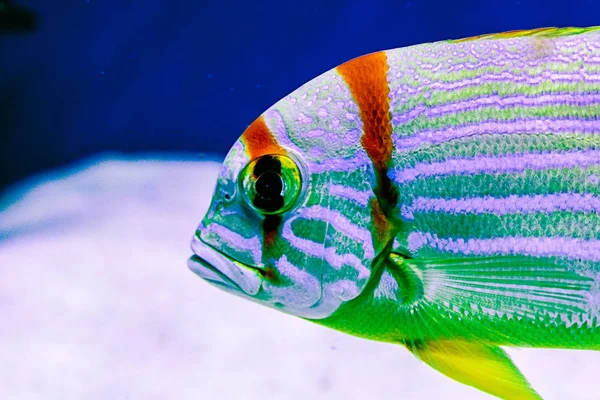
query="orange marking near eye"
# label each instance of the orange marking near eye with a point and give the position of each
(258, 140)
(270, 227)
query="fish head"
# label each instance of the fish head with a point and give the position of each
(290, 221)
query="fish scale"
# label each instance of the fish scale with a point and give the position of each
(445, 198)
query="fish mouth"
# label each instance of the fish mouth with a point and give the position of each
(221, 270)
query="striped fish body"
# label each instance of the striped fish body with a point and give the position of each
(442, 196)
(493, 150)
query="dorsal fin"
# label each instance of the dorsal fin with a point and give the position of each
(543, 32)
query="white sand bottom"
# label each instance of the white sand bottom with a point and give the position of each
(96, 302)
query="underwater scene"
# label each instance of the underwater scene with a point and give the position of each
(314, 200)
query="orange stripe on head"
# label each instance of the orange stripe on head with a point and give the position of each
(258, 140)
(366, 78)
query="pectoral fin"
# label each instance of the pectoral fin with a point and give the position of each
(491, 287)
(455, 309)
(487, 368)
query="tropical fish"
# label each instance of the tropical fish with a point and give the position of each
(444, 197)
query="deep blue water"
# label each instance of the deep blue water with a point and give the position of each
(143, 75)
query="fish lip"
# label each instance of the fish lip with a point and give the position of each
(216, 267)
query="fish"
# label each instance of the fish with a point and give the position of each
(443, 197)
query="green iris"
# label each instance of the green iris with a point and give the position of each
(271, 184)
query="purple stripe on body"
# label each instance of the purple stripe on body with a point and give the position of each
(504, 78)
(587, 250)
(357, 161)
(510, 163)
(329, 254)
(340, 223)
(428, 62)
(500, 102)
(347, 192)
(514, 204)
(520, 126)
(251, 245)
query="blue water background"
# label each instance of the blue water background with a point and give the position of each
(154, 75)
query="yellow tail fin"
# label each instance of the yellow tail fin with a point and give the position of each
(487, 368)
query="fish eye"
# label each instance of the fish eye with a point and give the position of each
(271, 184)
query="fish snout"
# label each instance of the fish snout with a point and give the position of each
(219, 269)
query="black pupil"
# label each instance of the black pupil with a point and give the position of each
(269, 186)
